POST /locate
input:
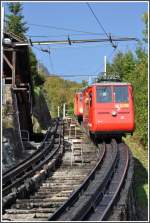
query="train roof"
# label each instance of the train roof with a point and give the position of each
(110, 83)
(107, 84)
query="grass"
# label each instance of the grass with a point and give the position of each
(140, 184)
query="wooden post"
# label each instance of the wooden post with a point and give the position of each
(14, 67)
(58, 111)
(64, 110)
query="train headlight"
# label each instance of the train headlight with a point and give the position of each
(81, 110)
(114, 113)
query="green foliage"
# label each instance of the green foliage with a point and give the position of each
(38, 78)
(43, 69)
(59, 91)
(140, 185)
(36, 125)
(122, 64)
(15, 22)
(145, 31)
(141, 96)
(84, 83)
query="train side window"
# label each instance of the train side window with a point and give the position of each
(80, 97)
(103, 94)
(121, 94)
(90, 96)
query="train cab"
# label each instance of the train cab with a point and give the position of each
(78, 106)
(108, 108)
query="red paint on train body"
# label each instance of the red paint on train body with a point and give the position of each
(78, 105)
(108, 108)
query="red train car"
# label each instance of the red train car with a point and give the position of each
(78, 106)
(108, 108)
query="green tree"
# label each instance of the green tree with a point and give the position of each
(145, 31)
(15, 23)
(59, 91)
(38, 76)
(84, 83)
(123, 64)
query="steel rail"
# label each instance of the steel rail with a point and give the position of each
(29, 173)
(76, 212)
(15, 177)
(33, 179)
(33, 154)
(103, 216)
(26, 163)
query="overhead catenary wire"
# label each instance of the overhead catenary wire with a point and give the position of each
(64, 35)
(62, 28)
(102, 27)
(97, 19)
(48, 51)
(92, 74)
(73, 75)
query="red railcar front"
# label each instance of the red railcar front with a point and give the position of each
(108, 108)
(78, 106)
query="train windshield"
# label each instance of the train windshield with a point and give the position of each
(121, 93)
(103, 94)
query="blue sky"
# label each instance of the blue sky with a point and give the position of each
(119, 19)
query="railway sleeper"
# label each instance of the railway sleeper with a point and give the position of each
(67, 171)
(31, 211)
(29, 205)
(40, 200)
(18, 217)
(63, 178)
(58, 188)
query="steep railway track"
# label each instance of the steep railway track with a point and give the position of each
(20, 180)
(85, 189)
(63, 180)
(96, 201)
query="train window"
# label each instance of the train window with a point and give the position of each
(80, 97)
(121, 93)
(90, 95)
(103, 94)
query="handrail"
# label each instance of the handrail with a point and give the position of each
(14, 98)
